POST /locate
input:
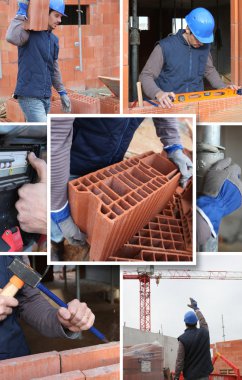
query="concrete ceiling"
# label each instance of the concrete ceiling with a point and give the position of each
(185, 4)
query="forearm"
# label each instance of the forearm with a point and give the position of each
(179, 360)
(61, 140)
(41, 315)
(212, 75)
(201, 319)
(57, 79)
(167, 129)
(151, 71)
(16, 34)
(203, 230)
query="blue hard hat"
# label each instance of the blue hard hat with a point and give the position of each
(58, 6)
(201, 23)
(190, 318)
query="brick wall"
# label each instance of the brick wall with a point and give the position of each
(232, 350)
(100, 46)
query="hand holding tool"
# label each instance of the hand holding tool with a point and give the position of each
(24, 274)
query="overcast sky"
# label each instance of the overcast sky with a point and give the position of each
(169, 299)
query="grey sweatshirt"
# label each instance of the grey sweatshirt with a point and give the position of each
(167, 130)
(154, 65)
(18, 36)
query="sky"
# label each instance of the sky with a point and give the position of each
(170, 298)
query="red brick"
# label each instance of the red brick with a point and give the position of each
(111, 372)
(109, 105)
(14, 112)
(113, 203)
(73, 375)
(90, 357)
(28, 367)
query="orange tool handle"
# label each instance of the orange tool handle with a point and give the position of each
(14, 285)
(205, 95)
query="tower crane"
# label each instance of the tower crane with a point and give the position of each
(144, 276)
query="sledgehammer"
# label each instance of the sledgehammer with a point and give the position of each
(24, 274)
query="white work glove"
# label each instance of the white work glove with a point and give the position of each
(65, 102)
(184, 164)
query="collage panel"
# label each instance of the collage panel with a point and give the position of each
(180, 323)
(219, 188)
(183, 57)
(23, 188)
(56, 335)
(117, 194)
(58, 57)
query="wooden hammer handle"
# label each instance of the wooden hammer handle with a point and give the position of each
(12, 287)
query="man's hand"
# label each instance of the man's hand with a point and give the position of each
(6, 306)
(233, 86)
(65, 102)
(193, 304)
(77, 317)
(23, 7)
(32, 203)
(67, 226)
(222, 193)
(165, 98)
(183, 162)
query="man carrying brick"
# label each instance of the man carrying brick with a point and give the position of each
(83, 145)
(34, 309)
(38, 68)
(179, 62)
(193, 356)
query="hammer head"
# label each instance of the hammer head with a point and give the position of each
(25, 272)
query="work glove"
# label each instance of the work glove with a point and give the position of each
(222, 193)
(67, 226)
(65, 102)
(176, 155)
(193, 304)
(23, 7)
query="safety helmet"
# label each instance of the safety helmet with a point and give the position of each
(201, 23)
(58, 6)
(190, 318)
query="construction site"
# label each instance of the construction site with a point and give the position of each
(147, 22)
(153, 312)
(94, 353)
(88, 56)
(136, 210)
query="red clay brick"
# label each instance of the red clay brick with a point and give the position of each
(113, 203)
(111, 372)
(14, 112)
(84, 104)
(28, 367)
(73, 375)
(90, 357)
(38, 15)
(109, 105)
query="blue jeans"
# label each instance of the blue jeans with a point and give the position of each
(34, 109)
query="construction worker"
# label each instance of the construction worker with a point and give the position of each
(193, 356)
(222, 195)
(34, 309)
(179, 62)
(94, 144)
(38, 68)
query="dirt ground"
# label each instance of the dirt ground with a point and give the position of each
(97, 297)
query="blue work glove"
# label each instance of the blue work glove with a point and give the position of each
(23, 7)
(222, 193)
(193, 304)
(176, 155)
(70, 231)
(65, 102)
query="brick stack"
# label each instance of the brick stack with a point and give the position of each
(232, 350)
(113, 203)
(13, 111)
(109, 105)
(90, 363)
(144, 362)
(167, 236)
